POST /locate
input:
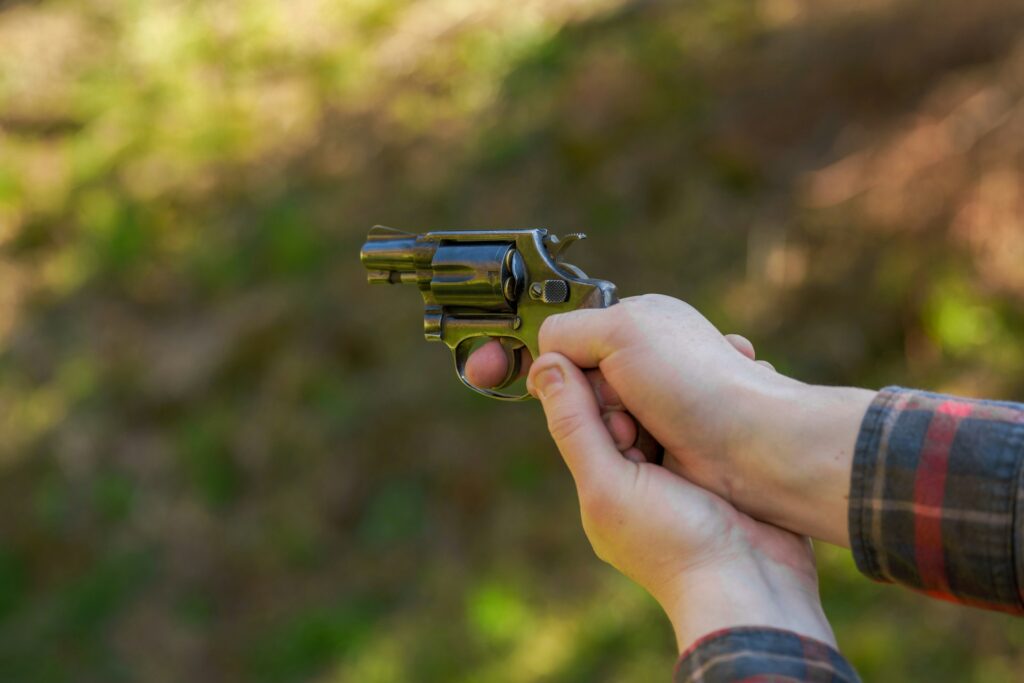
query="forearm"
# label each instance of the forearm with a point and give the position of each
(747, 592)
(796, 458)
(756, 618)
(926, 489)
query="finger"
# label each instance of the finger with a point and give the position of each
(634, 455)
(622, 428)
(607, 397)
(625, 432)
(584, 336)
(575, 423)
(741, 344)
(767, 365)
(648, 445)
(487, 365)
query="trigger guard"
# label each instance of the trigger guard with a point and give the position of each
(461, 355)
(513, 361)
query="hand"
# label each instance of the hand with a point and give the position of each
(708, 565)
(776, 448)
(487, 366)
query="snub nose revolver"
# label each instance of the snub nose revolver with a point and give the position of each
(485, 283)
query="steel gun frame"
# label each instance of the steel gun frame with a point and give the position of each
(485, 283)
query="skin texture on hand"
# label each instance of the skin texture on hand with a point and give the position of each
(708, 565)
(487, 366)
(775, 448)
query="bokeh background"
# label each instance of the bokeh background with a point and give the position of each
(225, 457)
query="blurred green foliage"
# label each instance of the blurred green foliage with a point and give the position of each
(224, 457)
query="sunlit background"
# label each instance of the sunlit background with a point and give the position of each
(225, 457)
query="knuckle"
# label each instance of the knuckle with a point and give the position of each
(564, 425)
(649, 300)
(555, 330)
(548, 330)
(628, 325)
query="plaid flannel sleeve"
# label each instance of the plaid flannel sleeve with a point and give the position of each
(760, 654)
(937, 497)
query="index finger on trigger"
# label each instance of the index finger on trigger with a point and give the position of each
(487, 365)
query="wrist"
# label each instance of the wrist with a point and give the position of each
(795, 453)
(744, 593)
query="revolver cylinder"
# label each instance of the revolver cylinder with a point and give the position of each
(484, 276)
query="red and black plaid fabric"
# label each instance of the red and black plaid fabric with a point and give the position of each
(936, 504)
(934, 495)
(759, 655)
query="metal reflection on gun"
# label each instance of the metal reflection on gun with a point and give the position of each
(485, 283)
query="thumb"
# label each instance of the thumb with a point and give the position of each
(574, 420)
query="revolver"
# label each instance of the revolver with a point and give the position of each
(485, 283)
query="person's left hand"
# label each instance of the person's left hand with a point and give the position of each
(707, 564)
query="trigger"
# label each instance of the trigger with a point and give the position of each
(513, 349)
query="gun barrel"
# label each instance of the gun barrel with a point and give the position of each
(389, 249)
(391, 255)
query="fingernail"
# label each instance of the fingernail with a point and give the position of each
(547, 379)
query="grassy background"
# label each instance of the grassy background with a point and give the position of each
(224, 457)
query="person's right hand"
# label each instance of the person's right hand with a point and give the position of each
(774, 447)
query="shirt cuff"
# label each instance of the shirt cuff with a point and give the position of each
(757, 653)
(935, 492)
